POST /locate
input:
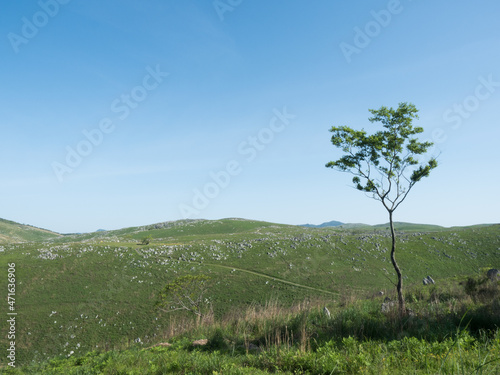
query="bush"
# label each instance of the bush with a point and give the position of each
(217, 341)
(482, 289)
(146, 240)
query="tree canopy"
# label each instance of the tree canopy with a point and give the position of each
(185, 293)
(384, 163)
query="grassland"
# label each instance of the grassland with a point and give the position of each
(357, 338)
(11, 231)
(95, 293)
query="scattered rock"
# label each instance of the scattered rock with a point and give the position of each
(428, 280)
(201, 342)
(253, 347)
(164, 344)
(387, 306)
(493, 274)
(326, 312)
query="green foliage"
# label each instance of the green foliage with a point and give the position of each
(472, 284)
(482, 289)
(146, 240)
(459, 352)
(384, 163)
(217, 341)
(186, 293)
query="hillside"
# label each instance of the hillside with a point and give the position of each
(11, 232)
(181, 230)
(80, 292)
(356, 338)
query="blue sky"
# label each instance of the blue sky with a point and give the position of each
(124, 113)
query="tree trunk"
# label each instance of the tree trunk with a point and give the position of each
(399, 287)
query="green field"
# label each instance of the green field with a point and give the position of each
(80, 293)
(11, 231)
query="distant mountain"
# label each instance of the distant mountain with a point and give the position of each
(378, 227)
(101, 230)
(324, 225)
(11, 232)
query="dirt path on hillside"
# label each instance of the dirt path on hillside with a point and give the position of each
(260, 274)
(274, 278)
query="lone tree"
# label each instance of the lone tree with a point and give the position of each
(385, 164)
(146, 240)
(185, 293)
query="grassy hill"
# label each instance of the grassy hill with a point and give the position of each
(11, 231)
(93, 291)
(407, 227)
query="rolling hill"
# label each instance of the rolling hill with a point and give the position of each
(11, 232)
(79, 292)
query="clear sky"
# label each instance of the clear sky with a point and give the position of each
(120, 113)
